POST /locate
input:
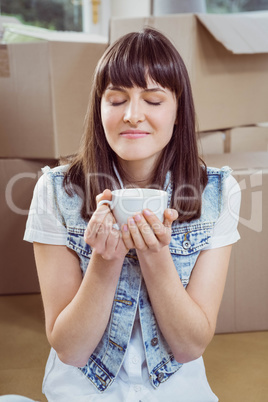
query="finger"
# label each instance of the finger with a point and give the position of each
(100, 215)
(147, 232)
(126, 237)
(162, 232)
(102, 211)
(111, 244)
(97, 222)
(106, 226)
(101, 234)
(136, 235)
(156, 225)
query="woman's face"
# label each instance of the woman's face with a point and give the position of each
(138, 122)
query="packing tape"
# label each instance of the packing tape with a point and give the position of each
(4, 61)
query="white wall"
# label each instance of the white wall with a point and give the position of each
(104, 12)
(130, 8)
(112, 8)
(161, 7)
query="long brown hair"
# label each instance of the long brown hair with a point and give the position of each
(127, 63)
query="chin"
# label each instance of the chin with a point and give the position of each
(134, 157)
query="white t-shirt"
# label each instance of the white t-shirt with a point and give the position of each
(43, 227)
(64, 383)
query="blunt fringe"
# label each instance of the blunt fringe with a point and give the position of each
(127, 63)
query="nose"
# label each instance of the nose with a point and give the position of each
(133, 112)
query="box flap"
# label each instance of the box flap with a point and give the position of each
(21, 33)
(4, 19)
(241, 33)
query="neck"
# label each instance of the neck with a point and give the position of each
(137, 173)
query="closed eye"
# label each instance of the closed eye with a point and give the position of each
(117, 103)
(153, 103)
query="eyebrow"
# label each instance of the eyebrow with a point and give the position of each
(156, 89)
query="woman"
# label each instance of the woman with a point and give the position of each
(130, 312)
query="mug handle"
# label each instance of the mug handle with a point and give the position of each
(104, 202)
(115, 225)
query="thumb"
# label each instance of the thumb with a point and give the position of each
(170, 215)
(106, 195)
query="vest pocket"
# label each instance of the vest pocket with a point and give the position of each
(186, 243)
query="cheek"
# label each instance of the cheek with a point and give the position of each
(108, 119)
(167, 128)
(166, 122)
(171, 123)
(107, 115)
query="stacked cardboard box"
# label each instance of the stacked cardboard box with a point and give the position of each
(44, 91)
(227, 60)
(247, 139)
(211, 142)
(245, 301)
(243, 139)
(17, 181)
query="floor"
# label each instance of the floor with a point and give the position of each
(237, 364)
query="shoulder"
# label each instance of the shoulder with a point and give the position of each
(67, 205)
(224, 179)
(50, 184)
(56, 171)
(222, 172)
(54, 176)
(219, 179)
(46, 184)
(220, 183)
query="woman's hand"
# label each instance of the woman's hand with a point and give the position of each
(145, 232)
(100, 233)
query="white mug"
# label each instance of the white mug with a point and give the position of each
(128, 202)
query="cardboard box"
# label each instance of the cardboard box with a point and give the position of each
(238, 160)
(17, 181)
(211, 142)
(247, 139)
(44, 92)
(227, 59)
(245, 301)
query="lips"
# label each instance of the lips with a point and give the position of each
(134, 134)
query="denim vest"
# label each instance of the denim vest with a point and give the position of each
(187, 241)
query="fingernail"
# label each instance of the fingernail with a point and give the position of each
(125, 228)
(115, 232)
(170, 212)
(137, 218)
(147, 212)
(131, 221)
